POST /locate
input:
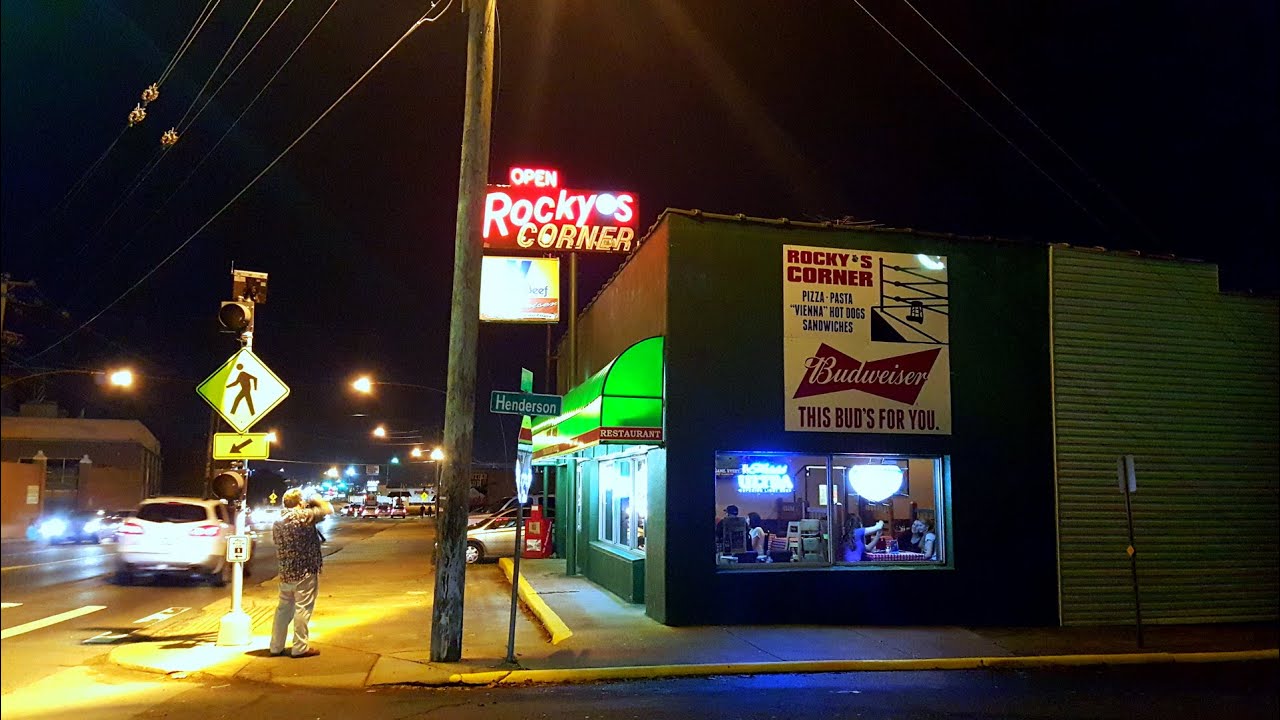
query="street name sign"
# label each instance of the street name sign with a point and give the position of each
(237, 446)
(507, 402)
(243, 390)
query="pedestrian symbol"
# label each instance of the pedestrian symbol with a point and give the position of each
(272, 498)
(243, 390)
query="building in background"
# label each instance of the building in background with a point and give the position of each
(53, 464)
(827, 378)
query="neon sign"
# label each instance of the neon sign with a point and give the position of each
(760, 477)
(534, 213)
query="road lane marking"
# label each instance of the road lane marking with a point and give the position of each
(53, 562)
(164, 614)
(6, 606)
(51, 620)
(105, 638)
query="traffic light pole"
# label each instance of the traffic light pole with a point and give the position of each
(464, 321)
(236, 628)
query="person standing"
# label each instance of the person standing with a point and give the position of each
(297, 543)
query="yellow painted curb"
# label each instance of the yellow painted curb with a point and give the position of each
(548, 617)
(518, 677)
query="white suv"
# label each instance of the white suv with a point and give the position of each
(182, 535)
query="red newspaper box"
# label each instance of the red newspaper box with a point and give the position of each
(537, 535)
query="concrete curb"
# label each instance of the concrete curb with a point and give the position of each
(550, 620)
(579, 675)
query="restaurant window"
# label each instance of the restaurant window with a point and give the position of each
(866, 510)
(623, 501)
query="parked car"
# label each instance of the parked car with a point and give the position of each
(177, 535)
(384, 510)
(71, 527)
(398, 511)
(492, 537)
(548, 504)
(369, 512)
(349, 509)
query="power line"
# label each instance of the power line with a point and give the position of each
(1097, 183)
(427, 18)
(1044, 173)
(102, 267)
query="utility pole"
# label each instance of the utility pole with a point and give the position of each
(6, 285)
(464, 321)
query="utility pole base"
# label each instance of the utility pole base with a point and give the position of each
(236, 628)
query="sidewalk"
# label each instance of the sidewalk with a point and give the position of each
(373, 623)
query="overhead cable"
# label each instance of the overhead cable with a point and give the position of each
(1008, 140)
(427, 18)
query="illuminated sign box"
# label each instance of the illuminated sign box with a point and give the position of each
(534, 213)
(520, 290)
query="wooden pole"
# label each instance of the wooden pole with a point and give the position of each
(459, 412)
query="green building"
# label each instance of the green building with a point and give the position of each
(915, 428)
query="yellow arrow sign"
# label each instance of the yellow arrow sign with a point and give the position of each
(234, 446)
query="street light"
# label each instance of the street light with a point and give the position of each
(364, 384)
(118, 377)
(331, 472)
(416, 452)
(380, 432)
(437, 454)
(272, 437)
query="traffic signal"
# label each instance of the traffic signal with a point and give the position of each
(235, 315)
(229, 485)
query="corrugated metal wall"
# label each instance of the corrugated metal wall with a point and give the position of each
(1149, 359)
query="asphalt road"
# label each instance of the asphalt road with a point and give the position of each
(1238, 691)
(71, 588)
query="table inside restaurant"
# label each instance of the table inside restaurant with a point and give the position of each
(889, 556)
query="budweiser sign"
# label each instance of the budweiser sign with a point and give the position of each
(897, 378)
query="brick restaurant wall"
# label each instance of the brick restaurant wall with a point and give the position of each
(15, 513)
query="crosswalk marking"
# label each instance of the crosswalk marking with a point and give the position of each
(164, 614)
(6, 606)
(51, 620)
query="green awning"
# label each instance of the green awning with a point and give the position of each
(621, 404)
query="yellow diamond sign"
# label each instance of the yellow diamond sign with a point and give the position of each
(243, 390)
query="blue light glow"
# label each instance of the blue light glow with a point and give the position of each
(761, 477)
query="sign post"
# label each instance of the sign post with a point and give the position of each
(243, 390)
(1129, 485)
(524, 479)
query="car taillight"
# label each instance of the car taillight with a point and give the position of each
(204, 531)
(130, 528)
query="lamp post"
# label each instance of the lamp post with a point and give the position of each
(118, 377)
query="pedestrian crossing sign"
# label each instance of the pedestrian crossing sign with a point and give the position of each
(243, 390)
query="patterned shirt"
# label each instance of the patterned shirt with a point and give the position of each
(298, 543)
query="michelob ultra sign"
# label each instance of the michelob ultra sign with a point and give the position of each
(520, 289)
(535, 213)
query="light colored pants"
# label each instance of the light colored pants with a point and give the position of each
(297, 600)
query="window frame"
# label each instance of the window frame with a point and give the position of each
(941, 472)
(608, 505)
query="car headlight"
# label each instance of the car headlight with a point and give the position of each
(53, 527)
(93, 525)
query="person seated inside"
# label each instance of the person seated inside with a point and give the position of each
(731, 531)
(854, 542)
(756, 535)
(919, 539)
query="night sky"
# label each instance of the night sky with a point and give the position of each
(1167, 112)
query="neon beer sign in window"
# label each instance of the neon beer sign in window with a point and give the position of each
(535, 213)
(761, 477)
